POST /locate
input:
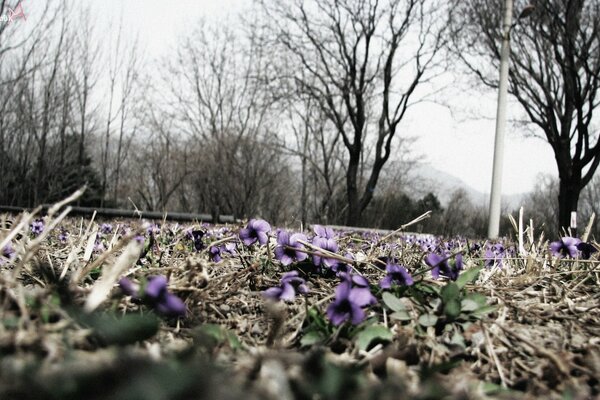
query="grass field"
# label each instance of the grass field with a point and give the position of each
(131, 309)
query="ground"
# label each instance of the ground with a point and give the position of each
(526, 326)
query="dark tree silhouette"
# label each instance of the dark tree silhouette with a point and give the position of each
(554, 76)
(361, 61)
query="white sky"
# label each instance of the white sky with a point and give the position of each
(448, 141)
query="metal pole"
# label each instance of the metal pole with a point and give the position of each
(496, 193)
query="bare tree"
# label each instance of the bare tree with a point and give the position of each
(216, 93)
(362, 62)
(554, 76)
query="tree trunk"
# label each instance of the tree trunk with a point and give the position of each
(353, 214)
(568, 197)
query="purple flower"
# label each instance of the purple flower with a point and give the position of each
(288, 249)
(348, 304)
(325, 244)
(324, 232)
(157, 295)
(216, 252)
(565, 247)
(362, 290)
(256, 230)
(290, 284)
(341, 267)
(129, 288)
(106, 228)
(8, 252)
(442, 266)
(37, 227)
(196, 236)
(152, 229)
(63, 236)
(395, 274)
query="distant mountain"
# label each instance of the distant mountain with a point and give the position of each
(429, 179)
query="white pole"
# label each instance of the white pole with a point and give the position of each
(496, 194)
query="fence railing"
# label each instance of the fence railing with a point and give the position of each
(118, 213)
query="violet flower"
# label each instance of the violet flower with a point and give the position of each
(158, 296)
(395, 274)
(153, 229)
(37, 227)
(288, 249)
(8, 253)
(325, 244)
(63, 236)
(129, 288)
(348, 304)
(155, 295)
(106, 228)
(290, 284)
(196, 236)
(441, 266)
(565, 247)
(215, 253)
(256, 230)
(361, 288)
(324, 232)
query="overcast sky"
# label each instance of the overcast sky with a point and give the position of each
(451, 140)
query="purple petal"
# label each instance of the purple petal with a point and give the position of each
(320, 231)
(289, 275)
(287, 293)
(433, 259)
(302, 289)
(360, 280)
(263, 238)
(358, 314)
(260, 225)
(336, 318)
(283, 238)
(171, 306)
(386, 282)
(301, 256)
(342, 291)
(273, 293)
(362, 297)
(156, 286)
(128, 287)
(295, 237)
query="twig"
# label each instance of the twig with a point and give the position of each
(490, 347)
(414, 221)
(539, 350)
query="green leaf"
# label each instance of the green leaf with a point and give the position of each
(452, 308)
(128, 329)
(478, 298)
(373, 333)
(212, 335)
(427, 288)
(458, 340)
(483, 311)
(428, 320)
(310, 338)
(468, 305)
(394, 303)
(401, 316)
(450, 292)
(468, 276)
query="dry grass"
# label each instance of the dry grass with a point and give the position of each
(542, 340)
